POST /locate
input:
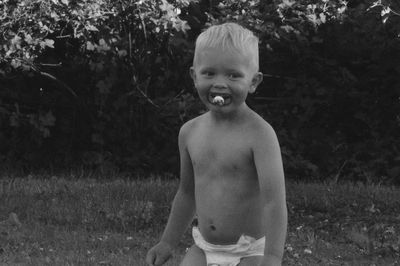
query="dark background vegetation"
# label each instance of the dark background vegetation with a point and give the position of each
(104, 85)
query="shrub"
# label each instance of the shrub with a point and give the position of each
(79, 79)
(102, 83)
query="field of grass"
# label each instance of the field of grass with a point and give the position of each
(71, 221)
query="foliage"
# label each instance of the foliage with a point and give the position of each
(345, 110)
(103, 83)
(386, 9)
(328, 89)
(119, 54)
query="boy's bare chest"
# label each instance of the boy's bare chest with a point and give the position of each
(213, 151)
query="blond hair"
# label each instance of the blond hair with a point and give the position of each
(229, 36)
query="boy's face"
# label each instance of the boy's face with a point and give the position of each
(227, 74)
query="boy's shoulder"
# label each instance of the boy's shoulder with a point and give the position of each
(257, 122)
(260, 128)
(188, 126)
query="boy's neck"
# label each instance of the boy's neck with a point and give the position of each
(238, 116)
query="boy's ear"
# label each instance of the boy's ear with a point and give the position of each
(257, 79)
(193, 74)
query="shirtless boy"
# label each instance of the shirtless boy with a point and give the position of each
(231, 173)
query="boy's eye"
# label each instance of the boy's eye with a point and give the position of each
(208, 73)
(234, 75)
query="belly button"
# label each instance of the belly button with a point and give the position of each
(213, 227)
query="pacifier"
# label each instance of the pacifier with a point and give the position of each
(219, 100)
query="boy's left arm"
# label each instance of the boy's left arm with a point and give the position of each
(268, 162)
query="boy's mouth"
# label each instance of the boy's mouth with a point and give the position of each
(219, 99)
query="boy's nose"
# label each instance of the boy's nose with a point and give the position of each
(219, 82)
(220, 85)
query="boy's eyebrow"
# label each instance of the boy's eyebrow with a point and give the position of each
(234, 70)
(206, 69)
(227, 69)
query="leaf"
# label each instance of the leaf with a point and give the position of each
(386, 10)
(122, 53)
(54, 15)
(104, 87)
(47, 119)
(90, 46)
(97, 138)
(28, 39)
(103, 46)
(91, 28)
(15, 63)
(16, 41)
(288, 3)
(287, 28)
(376, 3)
(14, 120)
(47, 43)
(322, 17)
(342, 9)
(313, 19)
(65, 2)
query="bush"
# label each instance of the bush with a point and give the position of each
(330, 90)
(79, 79)
(103, 84)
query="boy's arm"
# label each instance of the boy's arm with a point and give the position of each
(268, 162)
(183, 206)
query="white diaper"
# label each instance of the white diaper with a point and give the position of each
(229, 255)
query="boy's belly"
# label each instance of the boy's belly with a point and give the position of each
(227, 208)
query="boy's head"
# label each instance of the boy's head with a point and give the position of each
(229, 37)
(225, 66)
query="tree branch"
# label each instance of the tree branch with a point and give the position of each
(68, 88)
(137, 87)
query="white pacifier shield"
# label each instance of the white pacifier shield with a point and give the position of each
(218, 100)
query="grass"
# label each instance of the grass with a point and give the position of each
(70, 221)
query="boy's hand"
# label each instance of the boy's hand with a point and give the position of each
(159, 254)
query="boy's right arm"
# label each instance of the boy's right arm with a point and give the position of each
(183, 206)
